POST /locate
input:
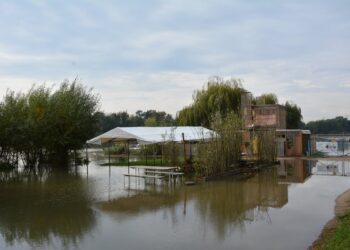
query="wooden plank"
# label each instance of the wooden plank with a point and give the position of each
(144, 176)
(154, 167)
(164, 172)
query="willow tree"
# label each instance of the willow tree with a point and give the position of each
(219, 96)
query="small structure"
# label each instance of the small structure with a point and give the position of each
(262, 116)
(331, 144)
(152, 135)
(293, 142)
(289, 142)
(273, 116)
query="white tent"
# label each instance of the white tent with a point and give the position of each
(150, 135)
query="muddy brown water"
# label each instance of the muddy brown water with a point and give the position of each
(284, 207)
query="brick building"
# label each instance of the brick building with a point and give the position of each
(289, 142)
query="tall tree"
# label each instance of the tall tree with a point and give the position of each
(44, 125)
(73, 119)
(218, 96)
(294, 116)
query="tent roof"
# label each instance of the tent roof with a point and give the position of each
(149, 135)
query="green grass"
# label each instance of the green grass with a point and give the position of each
(341, 238)
(317, 154)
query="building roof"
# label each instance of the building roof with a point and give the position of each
(150, 135)
(303, 131)
(269, 106)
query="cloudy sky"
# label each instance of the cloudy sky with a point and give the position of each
(154, 54)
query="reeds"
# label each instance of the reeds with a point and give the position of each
(265, 145)
(170, 150)
(223, 150)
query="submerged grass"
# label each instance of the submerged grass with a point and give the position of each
(340, 239)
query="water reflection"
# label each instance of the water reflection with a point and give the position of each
(60, 210)
(329, 167)
(225, 204)
(230, 204)
(140, 203)
(294, 170)
(41, 207)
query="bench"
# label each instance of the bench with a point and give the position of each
(163, 172)
(144, 176)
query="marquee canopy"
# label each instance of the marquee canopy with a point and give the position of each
(150, 135)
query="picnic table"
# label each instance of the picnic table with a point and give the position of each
(155, 172)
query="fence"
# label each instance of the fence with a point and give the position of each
(332, 145)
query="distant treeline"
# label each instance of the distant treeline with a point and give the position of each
(149, 118)
(336, 125)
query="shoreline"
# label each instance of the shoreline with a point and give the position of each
(325, 158)
(342, 207)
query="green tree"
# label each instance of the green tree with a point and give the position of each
(123, 119)
(338, 124)
(12, 122)
(43, 125)
(72, 119)
(264, 99)
(219, 96)
(294, 116)
(151, 122)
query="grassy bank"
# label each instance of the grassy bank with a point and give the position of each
(335, 234)
(340, 238)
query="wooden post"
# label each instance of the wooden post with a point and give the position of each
(128, 158)
(154, 155)
(183, 140)
(146, 154)
(86, 154)
(190, 150)
(17, 159)
(109, 154)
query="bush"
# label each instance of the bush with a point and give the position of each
(223, 150)
(45, 125)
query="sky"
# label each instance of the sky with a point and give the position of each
(154, 54)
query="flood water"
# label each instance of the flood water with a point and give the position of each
(284, 207)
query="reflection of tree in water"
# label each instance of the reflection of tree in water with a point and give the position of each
(227, 205)
(143, 202)
(38, 206)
